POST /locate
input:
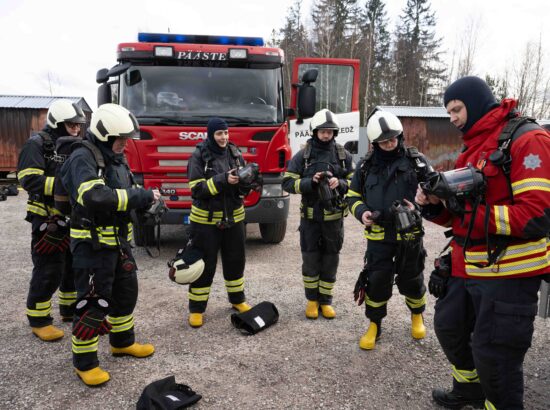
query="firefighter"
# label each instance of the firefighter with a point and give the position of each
(485, 311)
(217, 218)
(320, 173)
(36, 170)
(389, 173)
(102, 193)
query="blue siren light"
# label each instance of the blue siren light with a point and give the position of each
(199, 39)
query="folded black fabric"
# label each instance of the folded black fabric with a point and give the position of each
(258, 318)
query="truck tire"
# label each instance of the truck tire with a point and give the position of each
(144, 235)
(273, 233)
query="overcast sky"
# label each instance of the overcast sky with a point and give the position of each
(55, 47)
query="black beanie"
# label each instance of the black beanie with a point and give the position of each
(215, 124)
(476, 96)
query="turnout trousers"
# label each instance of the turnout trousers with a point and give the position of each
(230, 243)
(49, 273)
(403, 260)
(485, 327)
(119, 286)
(320, 243)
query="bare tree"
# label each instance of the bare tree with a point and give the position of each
(468, 47)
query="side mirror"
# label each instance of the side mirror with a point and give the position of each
(119, 69)
(133, 78)
(310, 76)
(306, 96)
(104, 94)
(102, 76)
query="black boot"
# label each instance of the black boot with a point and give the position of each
(462, 394)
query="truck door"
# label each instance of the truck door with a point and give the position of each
(336, 88)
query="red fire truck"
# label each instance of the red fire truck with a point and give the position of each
(174, 83)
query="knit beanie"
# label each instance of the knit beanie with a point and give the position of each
(476, 96)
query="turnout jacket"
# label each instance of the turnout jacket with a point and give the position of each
(101, 199)
(524, 218)
(377, 184)
(298, 179)
(36, 173)
(214, 198)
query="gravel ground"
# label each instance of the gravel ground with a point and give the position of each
(296, 364)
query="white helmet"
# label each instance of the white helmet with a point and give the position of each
(182, 273)
(324, 120)
(383, 126)
(113, 120)
(64, 111)
(187, 266)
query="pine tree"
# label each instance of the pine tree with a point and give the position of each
(377, 60)
(418, 71)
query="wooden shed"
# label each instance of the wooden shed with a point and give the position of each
(20, 117)
(429, 129)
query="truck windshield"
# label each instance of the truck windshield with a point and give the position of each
(191, 95)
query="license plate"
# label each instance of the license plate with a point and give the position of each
(186, 219)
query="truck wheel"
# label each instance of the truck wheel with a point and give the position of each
(144, 235)
(273, 233)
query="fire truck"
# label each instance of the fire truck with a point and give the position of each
(174, 83)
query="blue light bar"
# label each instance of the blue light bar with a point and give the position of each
(199, 39)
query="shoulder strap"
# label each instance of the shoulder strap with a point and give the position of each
(47, 144)
(364, 170)
(341, 151)
(206, 155)
(98, 156)
(513, 129)
(307, 154)
(235, 153)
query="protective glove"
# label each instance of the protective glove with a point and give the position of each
(92, 322)
(437, 285)
(361, 286)
(55, 237)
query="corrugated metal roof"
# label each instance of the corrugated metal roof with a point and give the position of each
(38, 101)
(423, 112)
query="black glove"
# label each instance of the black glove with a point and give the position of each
(92, 322)
(361, 286)
(437, 285)
(55, 236)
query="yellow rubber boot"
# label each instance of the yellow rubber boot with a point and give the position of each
(135, 350)
(195, 319)
(242, 307)
(328, 312)
(368, 340)
(312, 309)
(418, 330)
(93, 377)
(48, 333)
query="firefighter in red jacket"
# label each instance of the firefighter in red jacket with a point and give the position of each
(500, 249)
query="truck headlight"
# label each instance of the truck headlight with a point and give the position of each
(272, 190)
